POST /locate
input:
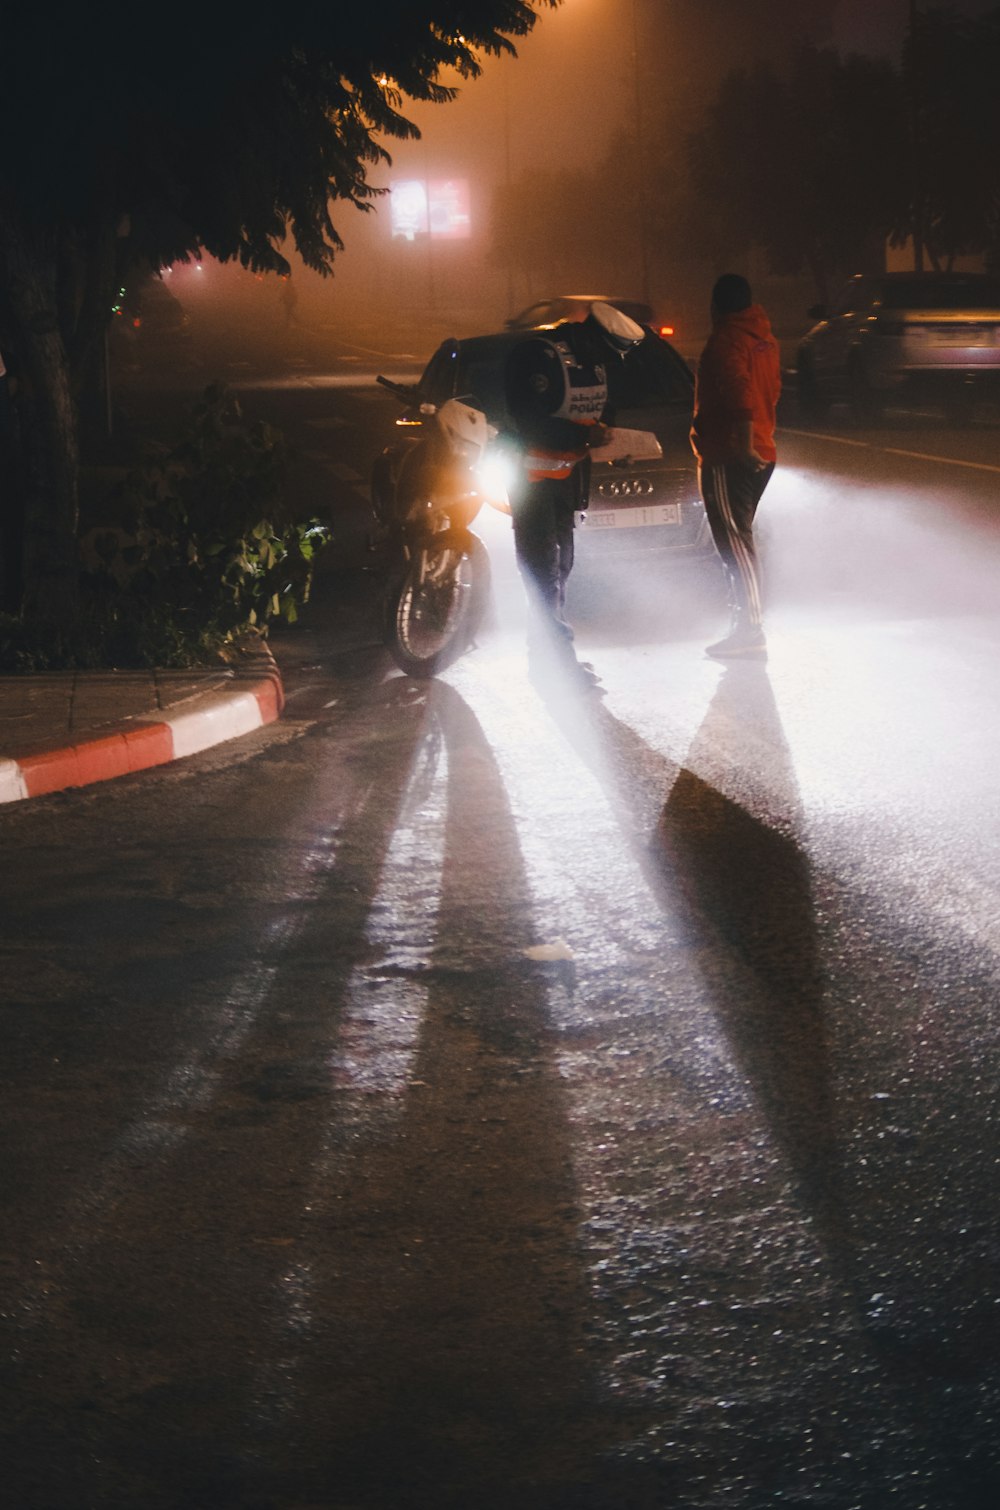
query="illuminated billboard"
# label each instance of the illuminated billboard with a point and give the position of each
(438, 207)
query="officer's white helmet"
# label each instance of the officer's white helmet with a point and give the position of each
(620, 332)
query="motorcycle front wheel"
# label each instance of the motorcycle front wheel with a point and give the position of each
(437, 607)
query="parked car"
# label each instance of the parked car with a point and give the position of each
(149, 321)
(644, 501)
(925, 335)
(546, 313)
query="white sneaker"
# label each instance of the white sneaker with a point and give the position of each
(748, 641)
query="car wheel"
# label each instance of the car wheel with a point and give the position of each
(813, 406)
(867, 404)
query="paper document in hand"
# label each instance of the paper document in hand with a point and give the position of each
(640, 445)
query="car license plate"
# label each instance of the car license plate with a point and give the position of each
(633, 518)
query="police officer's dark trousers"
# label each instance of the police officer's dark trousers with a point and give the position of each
(543, 521)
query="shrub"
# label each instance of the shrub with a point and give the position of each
(198, 546)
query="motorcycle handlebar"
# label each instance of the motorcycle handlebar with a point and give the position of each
(408, 392)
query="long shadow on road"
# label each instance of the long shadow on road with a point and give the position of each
(455, 1364)
(296, 1285)
(746, 892)
(718, 836)
(741, 887)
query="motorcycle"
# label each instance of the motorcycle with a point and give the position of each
(426, 495)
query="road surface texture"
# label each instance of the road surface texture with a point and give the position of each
(481, 1094)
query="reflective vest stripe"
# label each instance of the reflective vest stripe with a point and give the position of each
(557, 464)
(540, 462)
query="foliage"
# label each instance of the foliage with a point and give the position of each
(123, 633)
(198, 548)
(589, 227)
(824, 159)
(805, 155)
(814, 157)
(950, 68)
(808, 163)
(229, 131)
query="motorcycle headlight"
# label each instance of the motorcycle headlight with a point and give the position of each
(495, 474)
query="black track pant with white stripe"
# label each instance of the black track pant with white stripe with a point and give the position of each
(731, 493)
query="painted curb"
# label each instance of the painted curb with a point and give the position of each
(255, 698)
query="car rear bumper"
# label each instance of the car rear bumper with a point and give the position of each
(901, 362)
(931, 380)
(643, 510)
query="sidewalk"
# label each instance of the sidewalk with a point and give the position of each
(65, 729)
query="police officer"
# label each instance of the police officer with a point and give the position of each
(557, 399)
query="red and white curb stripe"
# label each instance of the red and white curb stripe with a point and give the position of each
(197, 724)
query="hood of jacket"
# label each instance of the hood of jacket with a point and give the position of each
(753, 321)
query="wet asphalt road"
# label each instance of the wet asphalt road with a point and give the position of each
(476, 1094)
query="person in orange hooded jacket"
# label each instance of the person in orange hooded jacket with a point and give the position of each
(736, 394)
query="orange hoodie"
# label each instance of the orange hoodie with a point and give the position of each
(739, 378)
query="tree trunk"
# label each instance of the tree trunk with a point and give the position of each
(28, 265)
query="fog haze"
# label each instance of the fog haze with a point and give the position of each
(593, 72)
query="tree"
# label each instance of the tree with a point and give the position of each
(637, 217)
(694, 46)
(809, 163)
(226, 134)
(950, 69)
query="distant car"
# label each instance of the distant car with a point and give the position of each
(546, 313)
(149, 318)
(639, 503)
(926, 335)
